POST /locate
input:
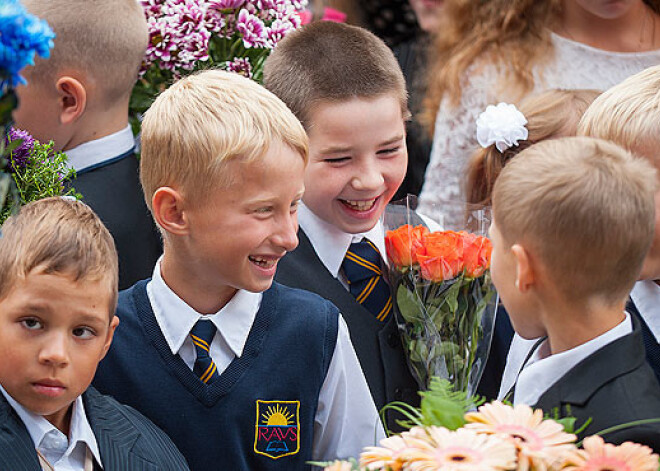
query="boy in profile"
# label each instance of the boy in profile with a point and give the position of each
(241, 372)
(564, 260)
(58, 292)
(346, 87)
(78, 98)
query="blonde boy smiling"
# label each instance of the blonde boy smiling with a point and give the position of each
(275, 383)
(57, 298)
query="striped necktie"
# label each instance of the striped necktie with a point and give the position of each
(202, 335)
(363, 269)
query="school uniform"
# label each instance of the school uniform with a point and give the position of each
(282, 354)
(107, 177)
(605, 379)
(104, 435)
(315, 265)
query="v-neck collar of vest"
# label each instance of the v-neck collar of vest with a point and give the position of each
(207, 394)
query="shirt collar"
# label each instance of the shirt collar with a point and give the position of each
(94, 152)
(540, 373)
(176, 318)
(330, 243)
(38, 427)
(646, 296)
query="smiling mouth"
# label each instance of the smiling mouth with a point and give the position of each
(263, 262)
(360, 205)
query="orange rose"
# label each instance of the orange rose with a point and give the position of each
(476, 253)
(442, 256)
(403, 244)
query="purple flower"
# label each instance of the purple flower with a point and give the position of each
(225, 4)
(252, 29)
(240, 66)
(277, 31)
(20, 156)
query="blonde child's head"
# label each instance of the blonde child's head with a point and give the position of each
(550, 114)
(571, 203)
(628, 114)
(58, 236)
(332, 62)
(99, 47)
(205, 121)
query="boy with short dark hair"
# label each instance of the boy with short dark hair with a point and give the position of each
(347, 89)
(241, 372)
(78, 98)
(564, 260)
(58, 292)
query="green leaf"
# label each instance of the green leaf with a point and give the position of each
(443, 407)
(408, 305)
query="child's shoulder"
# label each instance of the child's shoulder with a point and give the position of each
(118, 421)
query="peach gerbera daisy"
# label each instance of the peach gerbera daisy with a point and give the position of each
(462, 450)
(339, 466)
(539, 442)
(389, 453)
(600, 456)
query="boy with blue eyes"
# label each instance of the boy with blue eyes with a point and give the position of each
(58, 292)
(241, 372)
(346, 87)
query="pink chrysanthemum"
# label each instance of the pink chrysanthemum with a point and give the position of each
(225, 4)
(240, 66)
(252, 29)
(600, 456)
(461, 450)
(540, 442)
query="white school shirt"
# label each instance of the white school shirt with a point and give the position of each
(346, 418)
(97, 151)
(646, 296)
(543, 370)
(331, 243)
(62, 452)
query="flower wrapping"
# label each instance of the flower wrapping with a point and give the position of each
(444, 301)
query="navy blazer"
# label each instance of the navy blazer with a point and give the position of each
(651, 344)
(112, 189)
(126, 439)
(612, 386)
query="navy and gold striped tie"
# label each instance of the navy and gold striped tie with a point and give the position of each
(202, 335)
(363, 268)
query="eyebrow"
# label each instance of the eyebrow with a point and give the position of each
(339, 149)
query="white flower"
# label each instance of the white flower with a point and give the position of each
(502, 125)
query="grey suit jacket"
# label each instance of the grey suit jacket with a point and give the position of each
(126, 439)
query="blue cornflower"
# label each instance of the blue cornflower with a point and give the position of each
(21, 36)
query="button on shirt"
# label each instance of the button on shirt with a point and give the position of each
(62, 452)
(346, 417)
(543, 370)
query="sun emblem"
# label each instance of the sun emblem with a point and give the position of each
(277, 415)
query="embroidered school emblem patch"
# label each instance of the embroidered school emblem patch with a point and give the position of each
(277, 429)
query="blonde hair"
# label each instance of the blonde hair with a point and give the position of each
(203, 121)
(628, 113)
(585, 208)
(512, 34)
(106, 39)
(58, 236)
(550, 114)
(327, 61)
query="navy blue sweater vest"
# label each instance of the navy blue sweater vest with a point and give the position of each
(259, 414)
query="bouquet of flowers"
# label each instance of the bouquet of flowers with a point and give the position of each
(444, 300)
(444, 436)
(188, 35)
(22, 35)
(36, 171)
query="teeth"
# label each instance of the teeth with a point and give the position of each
(361, 205)
(262, 262)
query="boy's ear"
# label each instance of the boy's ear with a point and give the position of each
(525, 275)
(111, 332)
(167, 207)
(72, 98)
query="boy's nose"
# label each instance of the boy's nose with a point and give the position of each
(55, 352)
(369, 177)
(287, 236)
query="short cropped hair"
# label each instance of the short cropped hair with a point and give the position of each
(585, 208)
(105, 38)
(331, 62)
(628, 113)
(202, 122)
(58, 236)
